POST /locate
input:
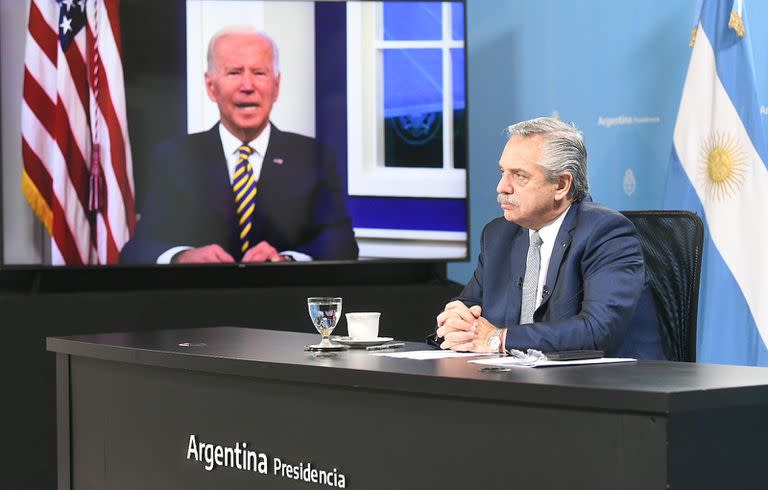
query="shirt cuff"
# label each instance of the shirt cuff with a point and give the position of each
(297, 256)
(167, 256)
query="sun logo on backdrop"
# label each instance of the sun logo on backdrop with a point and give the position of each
(724, 165)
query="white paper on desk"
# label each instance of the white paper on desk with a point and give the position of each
(515, 362)
(423, 355)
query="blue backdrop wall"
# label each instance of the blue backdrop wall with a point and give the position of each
(615, 69)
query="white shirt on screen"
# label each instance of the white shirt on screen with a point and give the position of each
(231, 144)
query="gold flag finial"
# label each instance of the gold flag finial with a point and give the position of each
(736, 23)
(693, 36)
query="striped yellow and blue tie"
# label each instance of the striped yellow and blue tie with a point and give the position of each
(244, 187)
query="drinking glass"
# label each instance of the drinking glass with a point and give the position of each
(324, 313)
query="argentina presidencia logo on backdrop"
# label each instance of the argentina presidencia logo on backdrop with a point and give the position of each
(630, 182)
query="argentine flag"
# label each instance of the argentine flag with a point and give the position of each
(718, 169)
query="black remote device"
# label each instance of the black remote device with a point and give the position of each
(571, 355)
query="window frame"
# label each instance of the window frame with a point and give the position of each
(367, 173)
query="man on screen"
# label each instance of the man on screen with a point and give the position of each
(243, 190)
(557, 272)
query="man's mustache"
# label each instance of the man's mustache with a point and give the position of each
(502, 198)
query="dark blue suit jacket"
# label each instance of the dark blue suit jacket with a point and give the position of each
(595, 280)
(299, 203)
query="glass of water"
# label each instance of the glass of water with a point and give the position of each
(324, 313)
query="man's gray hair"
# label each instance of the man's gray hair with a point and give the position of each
(242, 29)
(564, 151)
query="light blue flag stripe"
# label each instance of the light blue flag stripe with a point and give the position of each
(727, 333)
(735, 69)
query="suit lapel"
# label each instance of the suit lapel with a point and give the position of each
(561, 245)
(269, 157)
(269, 180)
(273, 158)
(216, 174)
(215, 188)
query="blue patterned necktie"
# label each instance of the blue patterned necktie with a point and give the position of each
(531, 281)
(244, 188)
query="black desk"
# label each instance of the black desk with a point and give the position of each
(128, 405)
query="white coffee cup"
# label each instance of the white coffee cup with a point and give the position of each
(363, 326)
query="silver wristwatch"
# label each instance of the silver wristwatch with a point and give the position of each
(494, 342)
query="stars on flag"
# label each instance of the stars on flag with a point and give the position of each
(66, 25)
(71, 20)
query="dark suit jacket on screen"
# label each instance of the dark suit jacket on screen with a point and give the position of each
(189, 201)
(595, 280)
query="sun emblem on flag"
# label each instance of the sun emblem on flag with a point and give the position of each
(736, 23)
(724, 165)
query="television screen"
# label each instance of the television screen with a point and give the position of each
(364, 156)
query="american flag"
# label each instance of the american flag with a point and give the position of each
(78, 174)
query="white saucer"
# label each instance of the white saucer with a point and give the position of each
(362, 343)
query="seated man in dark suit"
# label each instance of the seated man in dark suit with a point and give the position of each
(243, 190)
(557, 272)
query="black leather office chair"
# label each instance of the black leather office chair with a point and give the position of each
(672, 245)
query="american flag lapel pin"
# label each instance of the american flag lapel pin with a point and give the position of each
(278, 161)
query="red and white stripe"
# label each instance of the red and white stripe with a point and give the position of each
(61, 118)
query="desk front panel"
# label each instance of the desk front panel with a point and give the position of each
(131, 428)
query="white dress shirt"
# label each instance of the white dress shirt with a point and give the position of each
(231, 146)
